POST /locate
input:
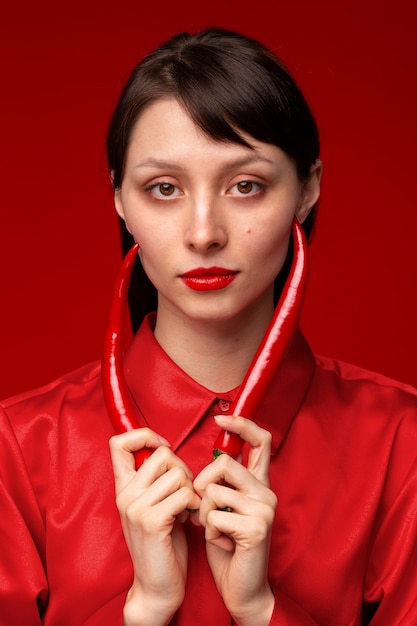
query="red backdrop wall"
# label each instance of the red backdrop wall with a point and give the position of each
(62, 65)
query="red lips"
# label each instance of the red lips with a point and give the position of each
(208, 278)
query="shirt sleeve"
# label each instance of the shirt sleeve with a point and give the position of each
(390, 590)
(23, 584)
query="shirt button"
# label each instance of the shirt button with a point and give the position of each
(224, 405)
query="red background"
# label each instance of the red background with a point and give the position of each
(62, 65)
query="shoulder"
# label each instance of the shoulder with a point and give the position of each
(372, 416)
(54, 439)
(365, 401)
(52, 430)
(71, 383)
(352, 376)
(37, 413)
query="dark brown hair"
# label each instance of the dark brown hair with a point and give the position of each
(228, 83)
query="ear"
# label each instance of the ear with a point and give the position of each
(118, 203)
(310, 191)
(119, 206)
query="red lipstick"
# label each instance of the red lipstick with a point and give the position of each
(208, 278)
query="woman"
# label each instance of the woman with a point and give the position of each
(213, 155)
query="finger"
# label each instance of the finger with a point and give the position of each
(220, 497)
(247, 532)
(216, 537)
(226, 471)
(170, 481)
(225, 510)
(157, 512)
(123, 446)
(162, 461)
(259, 440)
(241, 486)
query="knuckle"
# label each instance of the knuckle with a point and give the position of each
(186, 494)
(114, 442)
(270, 516)
(183, 491)
(137, 517)
(130, 514)
(210, 518)
(225, 461)
(211, 491)
(178, 475)
(122, 503)
(148, 523)
(272, 500)
(265, 439)
(260, 531)
(163, 454)
(268, 438)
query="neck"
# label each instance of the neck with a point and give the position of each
(215, 354)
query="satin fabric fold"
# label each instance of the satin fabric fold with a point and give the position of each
(343, 467)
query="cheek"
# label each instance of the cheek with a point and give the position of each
(145, 235)
(148, 259)
(267, 250)
(155, 262)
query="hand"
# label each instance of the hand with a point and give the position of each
(238, 541)
(152, 503)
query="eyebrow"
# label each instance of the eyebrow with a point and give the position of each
(244, 160)
(157, 163)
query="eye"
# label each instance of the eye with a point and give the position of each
(162, 190)
(246, 187)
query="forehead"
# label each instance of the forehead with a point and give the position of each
(165, 130)
(164, 116)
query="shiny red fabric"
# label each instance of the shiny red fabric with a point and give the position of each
(344, 549)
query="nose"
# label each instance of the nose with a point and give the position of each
(206, 229)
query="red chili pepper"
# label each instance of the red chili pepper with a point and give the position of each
(260, 373)
(273, 347)
(116, 394)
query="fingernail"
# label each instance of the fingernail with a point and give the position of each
(164, 441)
(221, 419)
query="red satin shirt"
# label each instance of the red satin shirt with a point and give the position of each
(343, 465)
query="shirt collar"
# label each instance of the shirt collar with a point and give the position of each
(171, 403)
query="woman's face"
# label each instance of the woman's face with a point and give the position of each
(213, 219)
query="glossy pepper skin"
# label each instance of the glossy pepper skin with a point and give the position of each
(273, 346)
(258, 377)
(116, 394)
